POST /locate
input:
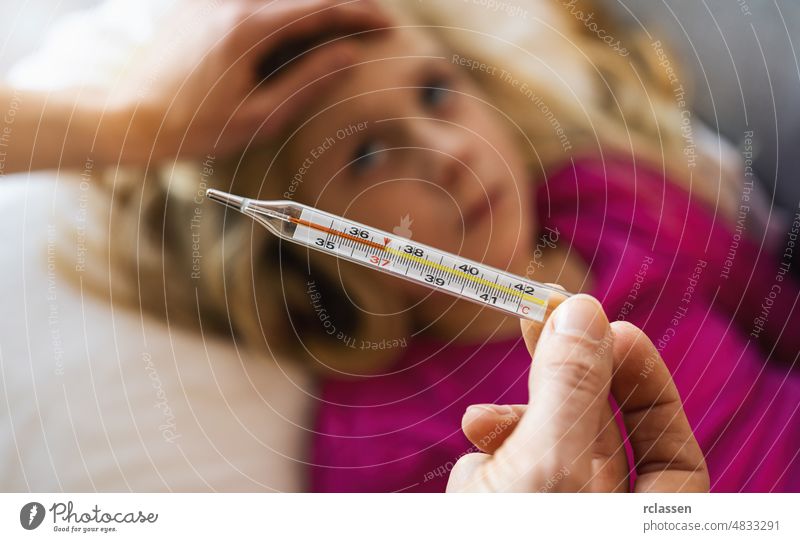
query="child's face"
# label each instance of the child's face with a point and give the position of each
(382, 148)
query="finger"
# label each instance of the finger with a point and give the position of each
(271, 107)
(610, 469)
(470, 474)
(532, 329)
(488, 426)
(569, 381)
(667, 456)
(261, 27)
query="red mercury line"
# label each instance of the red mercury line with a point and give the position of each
(339, 233)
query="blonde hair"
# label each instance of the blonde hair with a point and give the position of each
(570, 93)
(579, 84)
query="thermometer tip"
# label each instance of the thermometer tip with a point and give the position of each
(229, 200)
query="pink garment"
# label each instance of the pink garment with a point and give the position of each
(658, 260)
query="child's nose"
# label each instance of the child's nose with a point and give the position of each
(450, 156)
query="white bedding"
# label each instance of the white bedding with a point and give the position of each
(100, 399)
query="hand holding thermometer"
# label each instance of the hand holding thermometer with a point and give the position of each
(418, 263)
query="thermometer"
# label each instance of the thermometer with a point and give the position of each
(398, 256)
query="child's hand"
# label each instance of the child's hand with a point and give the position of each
(566, 438)
(196, 89)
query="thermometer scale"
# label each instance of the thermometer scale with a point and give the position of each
(398, 256)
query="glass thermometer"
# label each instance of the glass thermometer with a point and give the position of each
(398, 256)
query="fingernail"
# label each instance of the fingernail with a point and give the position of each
(581, 316)
(500, 410)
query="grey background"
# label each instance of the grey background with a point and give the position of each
(745, 70)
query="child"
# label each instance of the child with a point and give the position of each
(545, 152)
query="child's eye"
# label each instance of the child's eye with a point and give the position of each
(435, 92)
(368, 154)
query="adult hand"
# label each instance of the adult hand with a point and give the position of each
(197, 90)
(566, 437)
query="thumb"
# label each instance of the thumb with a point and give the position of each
(531, 329)
(569, 385)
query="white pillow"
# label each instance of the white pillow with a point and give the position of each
(90, 47)
(95, 397)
